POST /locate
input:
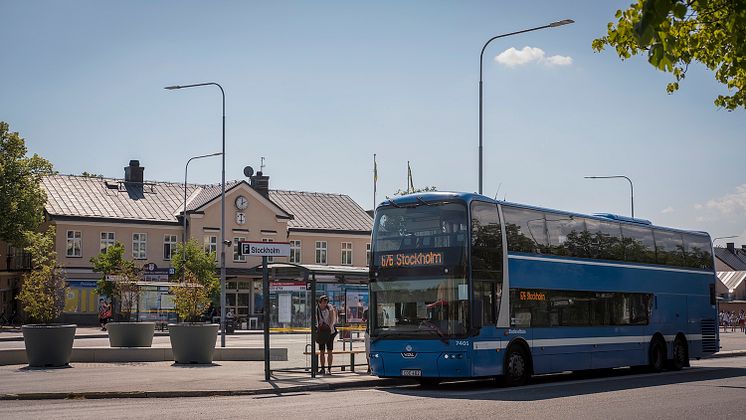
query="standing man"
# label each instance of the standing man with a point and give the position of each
(325, 332)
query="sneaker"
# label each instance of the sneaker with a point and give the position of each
(328, 372)
(321, 371)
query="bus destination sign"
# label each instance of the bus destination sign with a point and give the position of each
(415, 259)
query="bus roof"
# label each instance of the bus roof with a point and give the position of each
(436, 196)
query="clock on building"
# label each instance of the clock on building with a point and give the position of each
(240, 218)
(241, 202)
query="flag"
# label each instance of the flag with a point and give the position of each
(410, 182)
(375, 170)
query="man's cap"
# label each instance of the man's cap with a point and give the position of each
(324, 297)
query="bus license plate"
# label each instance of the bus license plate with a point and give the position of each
(411, 372)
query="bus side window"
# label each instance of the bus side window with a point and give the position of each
(486, 261)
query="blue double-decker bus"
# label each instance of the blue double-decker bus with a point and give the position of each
(463, 286)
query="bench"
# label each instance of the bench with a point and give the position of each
(352, 354)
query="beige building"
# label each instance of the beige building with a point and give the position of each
(326, 232)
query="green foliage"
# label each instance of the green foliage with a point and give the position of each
(43, 289)
(91, 175)
(413, 191)
(21, 195)
(125, 291)
(190, 298)
(196, 269)
(674, 33)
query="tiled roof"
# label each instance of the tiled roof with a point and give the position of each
(78, 196)
(736, 261)
(321, 211)
(731, 279)
(207, 193)
(70, 195)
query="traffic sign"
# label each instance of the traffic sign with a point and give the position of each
(264, 249)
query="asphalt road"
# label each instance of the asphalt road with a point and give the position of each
(711, 389)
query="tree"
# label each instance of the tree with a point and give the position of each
(43, 289)
(91, 175)
(124, 288)
(195, 267)
(21, 195)
(413, 191)
(674, 33)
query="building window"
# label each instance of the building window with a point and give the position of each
(74, 243)
(211, 245)
(107, 240)
(236, 248)
(295, 256)
(269, 259)
(346, 253)
(320, 252)
(367, 254)
(169, 246)
(139, 246)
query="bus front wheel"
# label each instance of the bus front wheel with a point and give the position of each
(657, 355)
(517, 369)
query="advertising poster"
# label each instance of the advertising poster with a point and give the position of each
(357, 303)
(285, 308)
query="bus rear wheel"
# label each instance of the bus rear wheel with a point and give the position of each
(680, 354)
(517, 369)
(657, 355)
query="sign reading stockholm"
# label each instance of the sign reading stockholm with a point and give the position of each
(265, 249)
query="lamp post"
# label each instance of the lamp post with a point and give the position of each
(186, 169)
(723, 237)
(631, 188)
(222, 211)
(481, 59)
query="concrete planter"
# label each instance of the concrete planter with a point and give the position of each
(48, 345)
(130, 334)
(193, 343)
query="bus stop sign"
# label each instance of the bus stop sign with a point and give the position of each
(264, 249)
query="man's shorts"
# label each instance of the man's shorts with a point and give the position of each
(329, 344)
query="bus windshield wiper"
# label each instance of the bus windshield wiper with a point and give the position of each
(394, 204)
(434, 328)
(424, 202)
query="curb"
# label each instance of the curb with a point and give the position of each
(106, 335)
(367, 383)
(729, 353)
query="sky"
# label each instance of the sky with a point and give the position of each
(318, 87)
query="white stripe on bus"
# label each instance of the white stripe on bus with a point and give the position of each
(580, 341)
(604, 264)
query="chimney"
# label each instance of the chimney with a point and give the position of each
(260, 183)
(731, 247)
(134, 172)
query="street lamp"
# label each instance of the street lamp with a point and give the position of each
(222, 212)
(723, 237)
(631, 188)
(481, 59)
(186, 169)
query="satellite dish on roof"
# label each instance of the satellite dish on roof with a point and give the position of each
(248, 171)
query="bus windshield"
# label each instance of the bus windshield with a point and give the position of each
(418, 285)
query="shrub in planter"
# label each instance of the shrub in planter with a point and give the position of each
(119, 281)
(191, 340)
(42, 297)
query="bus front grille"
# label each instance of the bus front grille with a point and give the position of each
(709, 336)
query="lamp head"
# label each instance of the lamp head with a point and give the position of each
(561, 23)
(172, 87)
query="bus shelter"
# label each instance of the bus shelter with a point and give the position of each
(293, 290)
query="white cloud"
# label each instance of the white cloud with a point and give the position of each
(513, 57)
(558, 60)
(668, 209)
(734, 203)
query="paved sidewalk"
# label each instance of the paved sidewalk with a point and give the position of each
(165, 379)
